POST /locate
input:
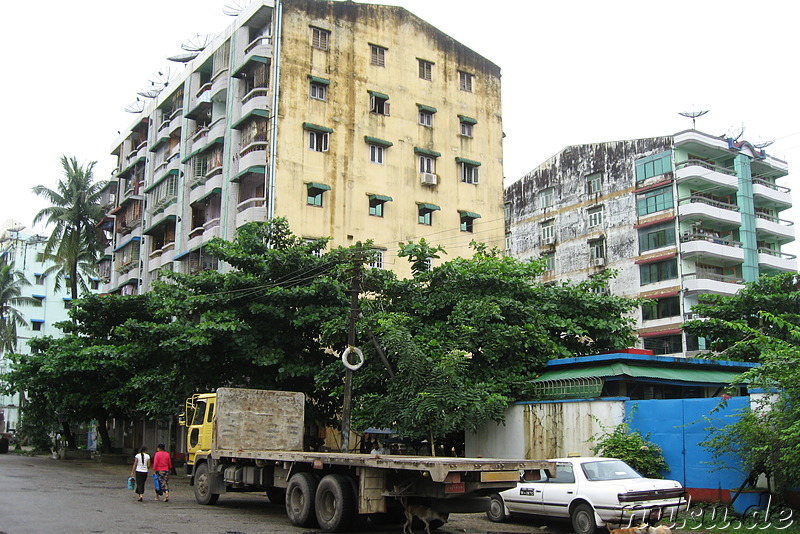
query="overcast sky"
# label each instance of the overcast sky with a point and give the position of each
(572, 72)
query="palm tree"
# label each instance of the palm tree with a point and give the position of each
(75, 242)
(11, 284)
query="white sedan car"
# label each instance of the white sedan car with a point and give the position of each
(591, 492)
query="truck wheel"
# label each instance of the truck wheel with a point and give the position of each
(300, 494)
(497, 509)
(583, 519)
(335, 503)
(202, 486)
(276, 495)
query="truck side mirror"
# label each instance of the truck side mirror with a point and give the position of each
(182, 419)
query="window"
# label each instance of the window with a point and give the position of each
(40, 257)
(318, 91)
(466, 124)
(595, 216)
(468, 221)
(376, 154)
(376, 261)
(377, 55)
(548, 232)
(664, 344)
(658, 271)
(564, 474)
(94, 284)
(376, 203)
(656, 236)
(315, 193)
(661, 308)
(378, 103)
(546, 198)
(319, 38)
(36, 325)
(653, 166)
(425, 213)
(199, 166)
(39, 279)
(425, 117)
(468, 170)
(655, 200)
(318, 141)
(549, 262)
(426, 164)
(597, 249)
(465, 81)
(425, 69)
(594, 183)
(67, 304)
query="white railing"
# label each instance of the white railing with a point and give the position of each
(251, 203)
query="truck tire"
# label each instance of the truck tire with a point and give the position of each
(335, 503)
(202, 486)
(300, 493)
(583, 519)
(497, 509)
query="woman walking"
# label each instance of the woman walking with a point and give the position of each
(141, 464)
(162, 465)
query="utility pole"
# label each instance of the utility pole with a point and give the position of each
(355, 289)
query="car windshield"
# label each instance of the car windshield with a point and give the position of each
(609, 470)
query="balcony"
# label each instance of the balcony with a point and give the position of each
(254, 154)
(175, 121)
(701, 175)
(257, 98)
(219, 86)
(769, 259)
(770, 228)
(770, 195)
(252, 209)
(160, 257)
(714, 249)
(698, 208)
(259, 49)
(703, 282)
(217, 129)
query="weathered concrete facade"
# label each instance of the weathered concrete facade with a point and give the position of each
(676, 216)
(354, 121)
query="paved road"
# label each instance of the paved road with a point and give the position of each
(39, 495)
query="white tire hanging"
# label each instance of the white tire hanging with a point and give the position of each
(346, 358)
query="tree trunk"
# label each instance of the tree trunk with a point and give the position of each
(68, 436)
(432, 443)
(102, 429)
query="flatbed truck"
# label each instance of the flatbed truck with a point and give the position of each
(252, 440)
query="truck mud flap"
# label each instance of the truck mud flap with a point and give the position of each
(216, 482)
(462, 505)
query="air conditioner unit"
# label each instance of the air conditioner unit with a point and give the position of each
(691, 316)
(428, 178)
(598, 262)
(549, 241)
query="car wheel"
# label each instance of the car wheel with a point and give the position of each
(583, 519)
(497, 509)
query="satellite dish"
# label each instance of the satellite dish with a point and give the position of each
(233, 9)
(763, 145)
(161, 78)
(16, 226)
(135, 107)
(693, 115)
(198, 43)
(151, 93)
(183, 58)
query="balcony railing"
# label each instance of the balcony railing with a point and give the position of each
(251, 203)
(258, 41)
(166, 248)
(711, 202)
(126, 266)
(211, 223)
(710, 237)
(776, 253)
(776, 220)
(200, 132)
(705, 165)
(705, 275)
(203, 88)
(255, 92)
(771, 185)
(196, 232)
(255, 146)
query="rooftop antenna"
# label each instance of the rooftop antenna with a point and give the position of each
(232, 9)
(197, 44)
(693, 115)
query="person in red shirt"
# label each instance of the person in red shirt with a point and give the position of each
(162, 465)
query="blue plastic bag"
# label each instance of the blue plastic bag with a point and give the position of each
(156, 483)
(131, 483)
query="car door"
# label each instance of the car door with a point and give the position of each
(526, 498)
(559, 491)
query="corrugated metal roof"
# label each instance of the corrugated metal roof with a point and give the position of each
(706, 376)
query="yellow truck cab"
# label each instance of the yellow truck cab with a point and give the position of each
(199, 420)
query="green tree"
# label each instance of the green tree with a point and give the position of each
(472, 333)
(75, 240)
(632, 448)
(729, 321)
(11, 297)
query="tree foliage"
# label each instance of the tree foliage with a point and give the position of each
(11, 283)
(730, 321)
(632, 448)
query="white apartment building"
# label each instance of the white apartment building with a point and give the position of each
(676, 216)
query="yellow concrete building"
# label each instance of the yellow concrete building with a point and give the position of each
(353, 121)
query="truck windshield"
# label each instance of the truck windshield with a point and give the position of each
(199, 412)
(609, 470)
